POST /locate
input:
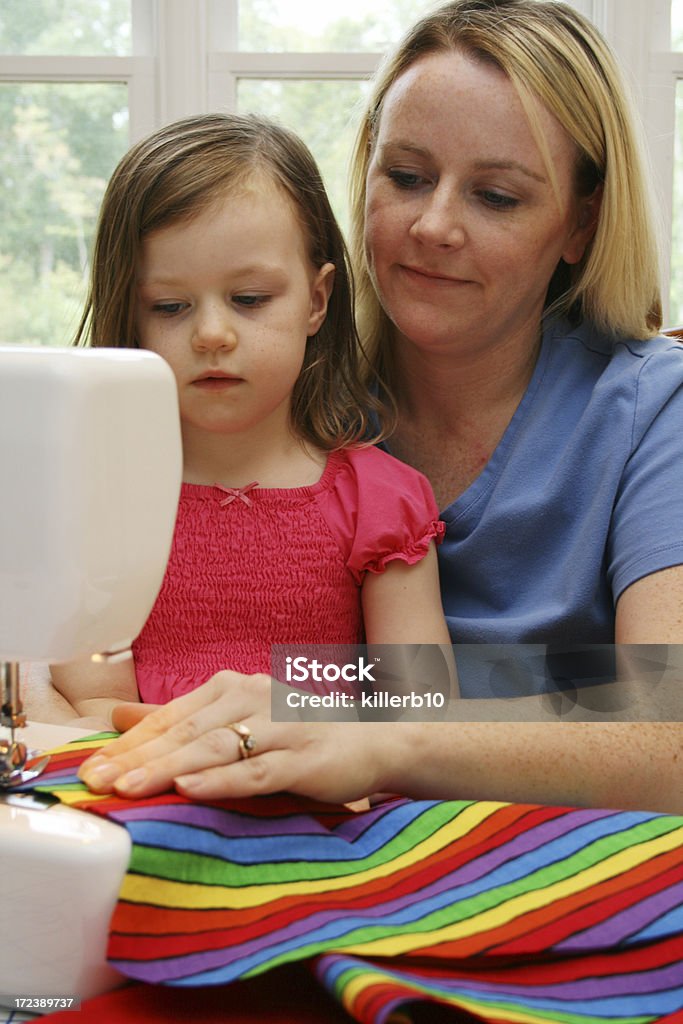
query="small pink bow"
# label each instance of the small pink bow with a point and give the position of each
(237, 492)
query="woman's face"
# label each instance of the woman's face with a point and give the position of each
(463, 226)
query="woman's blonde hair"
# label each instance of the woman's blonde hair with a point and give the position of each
(550, 53)
(175, 174)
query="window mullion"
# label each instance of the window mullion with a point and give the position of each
(143, 27)
(638, 31)
(142, 106)
(223, 25)
(182, 30)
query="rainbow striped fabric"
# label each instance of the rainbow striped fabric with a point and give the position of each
(513, 913)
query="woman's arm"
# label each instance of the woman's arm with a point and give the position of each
(650, 611)
(594, 764)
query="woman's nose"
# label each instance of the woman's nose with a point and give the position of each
(440, 221)
(214, 329)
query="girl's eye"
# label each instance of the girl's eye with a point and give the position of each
(405, 179)
(168, 308)
(251, 301)
(498, 200)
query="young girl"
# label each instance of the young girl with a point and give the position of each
(217, 248)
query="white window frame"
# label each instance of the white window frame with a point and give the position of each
(137, 72)
(200, 62)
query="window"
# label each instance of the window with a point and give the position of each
(80, 80)
(68, 84)
(58, 145)
(302, 26)
(44, 27)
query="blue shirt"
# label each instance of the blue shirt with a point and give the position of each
(582, 497)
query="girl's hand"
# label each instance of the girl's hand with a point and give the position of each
(125, 716)
(188, 744)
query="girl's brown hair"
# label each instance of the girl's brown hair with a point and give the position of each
(175, 174)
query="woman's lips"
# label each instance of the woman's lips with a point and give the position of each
(427, 277)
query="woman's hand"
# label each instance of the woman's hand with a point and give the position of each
(188, 744)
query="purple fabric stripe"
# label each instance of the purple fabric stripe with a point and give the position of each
(626, 922)
(525, 842)
(223, 822)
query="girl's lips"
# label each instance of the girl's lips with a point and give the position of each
(218, 383)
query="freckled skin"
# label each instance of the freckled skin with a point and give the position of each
(464, 229)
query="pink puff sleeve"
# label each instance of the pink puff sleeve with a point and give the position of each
(380, 510)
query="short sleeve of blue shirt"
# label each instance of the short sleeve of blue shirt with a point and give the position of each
(582, 496)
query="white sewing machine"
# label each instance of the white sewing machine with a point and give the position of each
(90, 470)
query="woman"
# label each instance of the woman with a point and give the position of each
(508, 291)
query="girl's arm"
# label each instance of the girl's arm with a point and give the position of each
(403, 603)
(92, 689)
(40, 701)
(402, 609)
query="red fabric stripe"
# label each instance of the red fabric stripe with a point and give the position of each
(532, 931)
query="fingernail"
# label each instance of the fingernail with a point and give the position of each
(131, 780)
(187, 783)
(93, 761)
(96, 775)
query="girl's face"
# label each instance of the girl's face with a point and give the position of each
(463, 227)
(229, 299)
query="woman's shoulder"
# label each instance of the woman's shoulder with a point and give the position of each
(617, 350)
(612, 387)
(640, 369)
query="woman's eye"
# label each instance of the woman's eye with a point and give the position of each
(405, 179)
(168, 308)
(498, 200)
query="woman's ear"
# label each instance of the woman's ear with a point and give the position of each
(321, 289)
(588, 212)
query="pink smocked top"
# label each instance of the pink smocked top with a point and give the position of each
(253, 567)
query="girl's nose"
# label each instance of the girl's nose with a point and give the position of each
(440, 221)
(214, 329)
